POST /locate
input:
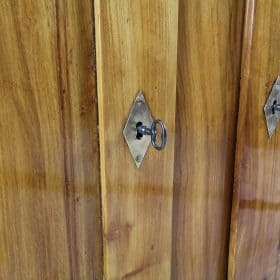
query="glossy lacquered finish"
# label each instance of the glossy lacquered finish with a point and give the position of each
(169, 219)
(49, 170)
(209, 55)
(136, 49)
(255, 232)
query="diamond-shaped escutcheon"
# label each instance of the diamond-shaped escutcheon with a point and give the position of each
(272, 116)
(139, 115)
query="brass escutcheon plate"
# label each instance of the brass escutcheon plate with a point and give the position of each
(139, 113)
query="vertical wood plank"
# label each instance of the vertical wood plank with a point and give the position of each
(209, 50)
(76, 58)
(49, 184)
(255, 230)
(136, 49)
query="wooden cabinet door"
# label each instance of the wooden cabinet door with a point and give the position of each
(255, 231)
(73, 205)
(170, 219)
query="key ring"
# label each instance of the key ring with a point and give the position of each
(154, 134)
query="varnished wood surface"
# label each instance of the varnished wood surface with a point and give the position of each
(255, 231)
(209, 50)
(76, 58)
(49, 186)
(136, 49)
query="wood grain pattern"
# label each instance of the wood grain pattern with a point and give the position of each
(255, 231)
(49, 196)
(136, 49)
(79, 108)
(209, 55)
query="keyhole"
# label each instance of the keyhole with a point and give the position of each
(139, 135)
(273, 106)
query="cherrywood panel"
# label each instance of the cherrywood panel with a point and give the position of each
(255, 231)
(209, 50)
(136, 49)
(48, 145)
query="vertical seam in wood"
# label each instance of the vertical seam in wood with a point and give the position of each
(98, 47)
(235, 142)
(98, 142)
(176, 142)
(245, 71)
(67, 180)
